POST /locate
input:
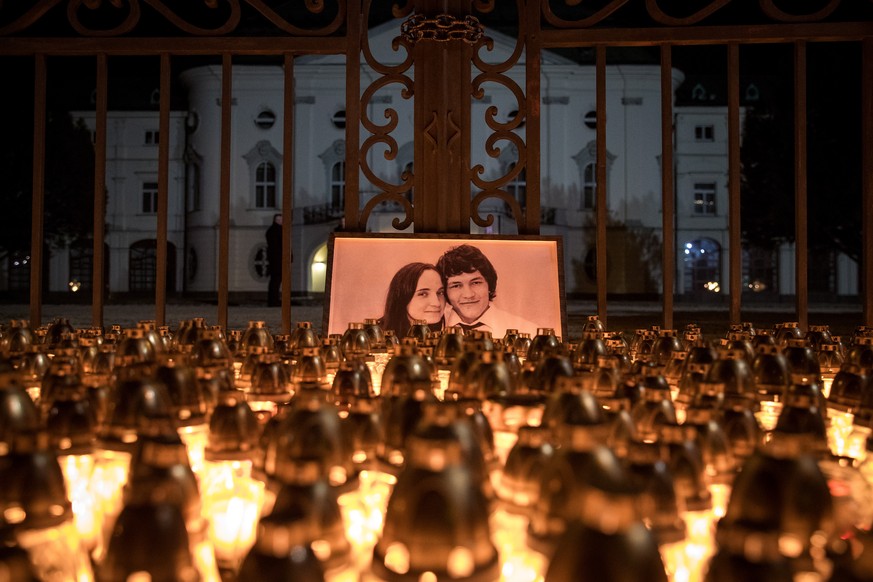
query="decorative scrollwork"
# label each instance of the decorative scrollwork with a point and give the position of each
(770, 9)
(389, 197)
(390, 74)
(29, 17)
(494, 151)
(441, 28)
(588, 22)
(660, 16)
(120, 17)
(128, 23)
(511, 202)
(314, 6)
(663, 18)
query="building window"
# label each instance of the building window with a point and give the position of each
(265, 119)
(704, 133)
(339, 119)
(265, 185)
(19, 270)
(702, 266)
(81, 266)
(149, 197)
(259, 264)
(704, 199)
(517, 188)
(142, 265)
(589, 186)
(338, 185)
(152, 137)
(334, 162)
(264, 161)
(759, 270)
(586, 160)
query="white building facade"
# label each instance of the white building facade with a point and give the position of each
(568, 122)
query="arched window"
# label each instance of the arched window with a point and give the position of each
(318, 270)
(265, 185)
(81, 265)
(259, 263)
(18, 265)
(334, 160)
(586, 161)
(759, 270)
(702, 259)
(338, 185)
(263, 161)
(142, 266)
(142, 263)
(589, 186)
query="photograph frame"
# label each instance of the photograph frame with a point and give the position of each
(529, 280)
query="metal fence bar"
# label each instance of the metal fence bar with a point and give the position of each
(735, 250)
(533, 61)
(163, 193)
(38, 201)
(98, 272)
(668, 201)
(287, 189)
(600, 168)
(353, 118)
(867, 179)
(706, 35)
(224, 188)
(199, 46)
(801, 250)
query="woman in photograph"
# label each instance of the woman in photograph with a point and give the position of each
(416, 292)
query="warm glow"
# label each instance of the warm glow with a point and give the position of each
(363, 512)
(518, 562)
(720, 496)
(839, 429)
(77, 471)
(460, 563)
(237, 367)
(204, 560)
(195, 437)
(397, 558)
(768, 415)
(675, 561)
(503, 443)
(232, 500)
(826, 381)
(56, 553)
(444, 377)
(857, 445)
(107, 481)
(259, 407)
(377, 368)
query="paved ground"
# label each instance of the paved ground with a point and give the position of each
(621, 316)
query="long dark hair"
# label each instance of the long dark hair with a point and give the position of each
(400, 293)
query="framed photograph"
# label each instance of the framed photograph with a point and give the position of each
(492, 283)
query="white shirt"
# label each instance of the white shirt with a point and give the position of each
(495, 320)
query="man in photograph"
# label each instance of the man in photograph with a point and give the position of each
(470, 282)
